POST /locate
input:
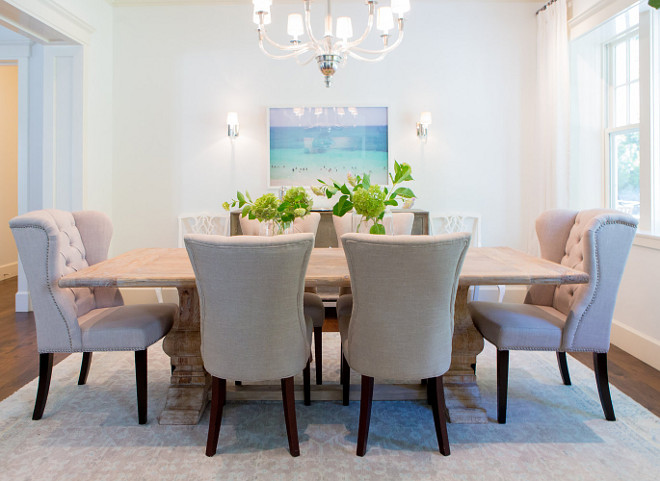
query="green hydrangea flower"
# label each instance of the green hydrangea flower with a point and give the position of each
(225, 205)
(370, 202)
(265, 207)
(299, 202)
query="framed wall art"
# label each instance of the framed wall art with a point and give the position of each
(310, 143)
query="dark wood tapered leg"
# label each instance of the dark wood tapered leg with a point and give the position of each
(502, 384)
(307, 395)
(345, 380)
(84, 368)
(288, 400)
(563, 368)
(318, 354)
(366, 398)
(430, 392)
(45, 371)
(602, 381)
(341, 363)
(218, 397)
(238, 383)
(141, 381)
(439, 417)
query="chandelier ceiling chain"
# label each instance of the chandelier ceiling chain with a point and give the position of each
(331, 50)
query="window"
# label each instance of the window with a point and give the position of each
(623, 109)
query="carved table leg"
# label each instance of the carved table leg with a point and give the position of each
(461, 390)
(189, 385)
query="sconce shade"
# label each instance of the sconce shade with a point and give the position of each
(295, 25)
(385, 23)
(344, 28)
(425, 118)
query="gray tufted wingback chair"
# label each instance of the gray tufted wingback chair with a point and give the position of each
(53, 243)
(570, 317)
(252, 321)
(399, 321)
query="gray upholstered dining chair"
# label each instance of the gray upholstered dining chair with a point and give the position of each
(53, 243)
(403, 328)
(313, 303)
(565, 318)
(252, 321)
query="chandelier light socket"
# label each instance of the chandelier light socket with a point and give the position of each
(232, 125)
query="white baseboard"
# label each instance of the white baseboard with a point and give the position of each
(22, 300)
(636, 344)
(8, 270)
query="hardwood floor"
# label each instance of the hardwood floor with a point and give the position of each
(19, 360)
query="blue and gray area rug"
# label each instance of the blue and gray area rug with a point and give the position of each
(553, 432)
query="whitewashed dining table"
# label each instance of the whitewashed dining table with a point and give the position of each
(188, 392)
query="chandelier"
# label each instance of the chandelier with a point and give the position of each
(331, 51)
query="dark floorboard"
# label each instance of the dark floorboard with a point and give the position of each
(19, 360)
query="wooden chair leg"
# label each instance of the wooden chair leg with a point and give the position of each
(563, 368)
(430, 392)
(288, 400)
(345, 380)
(218, 396)
(141, 382)
(238, 383)
(502, 384)
(602, 381)
(306, 385)
(84, 368)
(439, 417)
(318, 354)
(366, 398)
(45, 371)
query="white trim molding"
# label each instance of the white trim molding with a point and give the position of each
(47, 17)
(636, 343)
(598, 13)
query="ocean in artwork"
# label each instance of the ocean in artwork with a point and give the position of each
(301, 154)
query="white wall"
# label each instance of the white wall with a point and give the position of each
(472, 64)
(8, 167)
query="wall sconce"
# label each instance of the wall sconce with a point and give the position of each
(423, 125)
(232, 125)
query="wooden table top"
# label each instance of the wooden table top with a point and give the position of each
(160, 267)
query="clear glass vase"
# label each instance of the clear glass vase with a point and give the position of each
(362, 225)
(272, 227)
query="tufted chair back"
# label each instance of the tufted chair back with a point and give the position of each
(597, 242)
(52, 243)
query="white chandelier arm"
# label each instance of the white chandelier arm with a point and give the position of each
(367, 31)
(286, 48)
(304, 62)
(385, 50)
(280, 57)
(308, 26)
(366, 59)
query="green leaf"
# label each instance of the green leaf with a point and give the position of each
(654, 3)
(240, 197)
(344, 190)
(378, 229)
(321, 181)
(404, 192)
(247, 194)
(246, 210)
(330, 191)
(342, 206)
(283, 206)
(287, 217)
(366, 181)
(391, 202)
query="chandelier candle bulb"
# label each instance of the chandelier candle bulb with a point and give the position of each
(385, 22)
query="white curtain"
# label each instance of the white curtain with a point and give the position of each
(549, 186)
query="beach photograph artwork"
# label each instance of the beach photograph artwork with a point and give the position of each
(310, 143)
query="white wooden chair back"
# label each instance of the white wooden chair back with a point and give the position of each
(451, 223)
(212, 224)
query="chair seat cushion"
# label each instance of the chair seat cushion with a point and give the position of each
(313, 308)
(126, 328)
(518, 326)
